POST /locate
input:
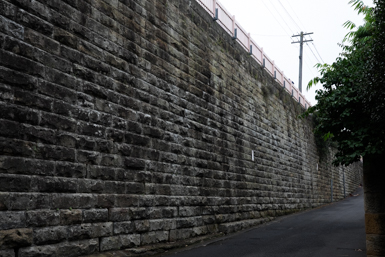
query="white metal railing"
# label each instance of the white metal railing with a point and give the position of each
(229, 24)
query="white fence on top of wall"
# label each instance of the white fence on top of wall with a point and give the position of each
(229, 24)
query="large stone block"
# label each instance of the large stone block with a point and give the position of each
(375, 245)
(110, 243)
(375, 223)
(15, 238)
(73, 201)
(154, 237)
(29, 201)
(70, 217)
(119, 214)
(10, 219)
(43, 218)
(95, 215)
(7, 253)
(90, 230)
(119, 242)
(125, 227)
(77, 248)
(49, 235)
(38, 251)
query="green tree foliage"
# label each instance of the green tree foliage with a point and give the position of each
(351, 105)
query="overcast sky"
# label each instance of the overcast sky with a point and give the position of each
(271, 24)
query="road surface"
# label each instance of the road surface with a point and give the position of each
(337, 230)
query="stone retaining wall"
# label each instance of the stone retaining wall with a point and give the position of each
(129, 123)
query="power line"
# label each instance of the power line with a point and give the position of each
(318, 52)
(310, 69)
(281, 17)
(275, 18)
(302, 40)
(299, 27)
(288, 2)
(261, 35)
(308, 58)
(313, 53)
(279, 1)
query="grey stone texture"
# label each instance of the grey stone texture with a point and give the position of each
(132, 123)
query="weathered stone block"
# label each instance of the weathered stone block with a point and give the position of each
(90, 230)
(52, 184)
(375, 223)
(374, 245)
(154, 237)
(15, 238)
(49, 235)
(7, 253)
(114, 187)
(64, 37)
(12, 28)
(43, 218)
(77, 248)
(29, 201)
(70, 217)
(110, 243)
(10, 219)
(190, 211)
(135, 164)
(129, 241)
(141, 225)
(105, 201)
(18, 79)
(4, 201)
(189, 222)
(119, 242)
(126, 201)
(125, 227)
(162, 224)
(162, 212)
(178, 234)
(134, 188)
(119, 214)
(75, 201)
(91, 186)
(15, 183)
(139, 213)
(95, 215)
(38, 251)
(17, 165)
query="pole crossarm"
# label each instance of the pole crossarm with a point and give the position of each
(304, 34)
(302, 41)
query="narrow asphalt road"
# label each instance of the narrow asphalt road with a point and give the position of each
(337, 229)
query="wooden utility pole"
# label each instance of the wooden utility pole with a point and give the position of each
(301, 41)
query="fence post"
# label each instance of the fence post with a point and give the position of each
(233, 26)
(343, 170)
(283, 77)
(289, 84)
